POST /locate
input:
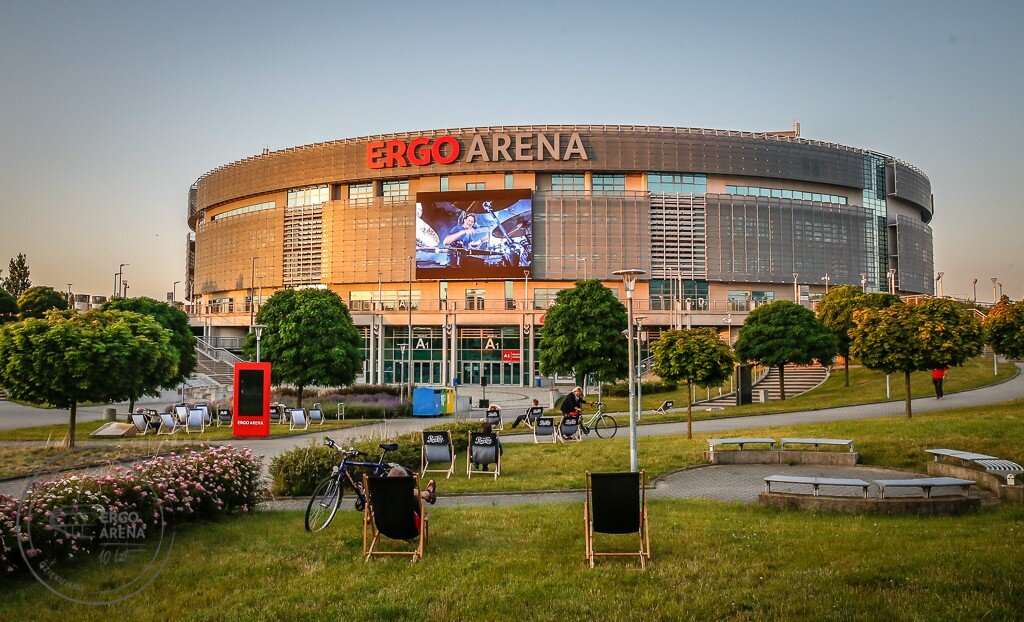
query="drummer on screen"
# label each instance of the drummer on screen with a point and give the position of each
(467, 234)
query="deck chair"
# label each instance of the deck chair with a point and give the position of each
(616, 504)
(394, 505)
(207, 415)
(141, 422)
(316, 415)
(535, 413)
(275, 414)
(666, 406)
(569, 429)
(196, 421)
(223, 416)
(168, 423)
(544, 430)
(299, 420)
(493, 417)
(483, 449)
(181, 412)
(437, 447)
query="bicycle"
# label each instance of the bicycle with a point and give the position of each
(603, 424)
(326, 497)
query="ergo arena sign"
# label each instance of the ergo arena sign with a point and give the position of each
(520, 147)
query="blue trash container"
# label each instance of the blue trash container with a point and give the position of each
(426, 402)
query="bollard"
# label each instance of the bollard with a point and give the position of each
(110, 414)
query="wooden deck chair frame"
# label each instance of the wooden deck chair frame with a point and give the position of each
(666, 406)
(298, 412)
(172, 419)
(542, 434)
(207, 413)
(196, 421)
(534, 413)
(181, 412)
(577, 436)
(610, 489)
(141, 417)
(279, 413)
(431, 444)
(317, 419)
(223, 416)
(403, 499)
(494, 418)
(497, 452)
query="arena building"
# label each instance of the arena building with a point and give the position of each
(463, 237)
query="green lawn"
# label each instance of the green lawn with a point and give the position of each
(710, 561)
(59, 432)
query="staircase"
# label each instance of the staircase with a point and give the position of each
(216, 364)
(799, 379)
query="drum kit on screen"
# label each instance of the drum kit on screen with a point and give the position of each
(506, 244)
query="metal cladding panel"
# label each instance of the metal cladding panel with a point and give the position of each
(224, 250)
(766, 240)
(608, 148)
(916, 263)
(906, 182)
(590, 234)
(364, 239)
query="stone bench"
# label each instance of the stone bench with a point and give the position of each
(924, 483)
(998, 475)
(818, 442)
(715, 442)
(815, 482)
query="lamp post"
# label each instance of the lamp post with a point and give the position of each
(526, 278)
(728, 322)
(892, 281)
(826, 279)
(938, 282)
(863, 282)
(1000, 292)
(124, 288)
(974, 283)
(401, 380)
(117, 279)
(174, 292)
(796, 290)
(994, 280)
(639, 364)
(995, 357)
(584, 260)
(252, 292)
(629, 282)
(258, 329)
(412, 272)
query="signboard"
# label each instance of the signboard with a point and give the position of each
(484, 234)
(495, 147)
(252, 400)
(511, 356)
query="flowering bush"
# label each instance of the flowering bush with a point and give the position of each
(61, 518)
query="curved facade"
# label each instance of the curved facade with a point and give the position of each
(467, 234)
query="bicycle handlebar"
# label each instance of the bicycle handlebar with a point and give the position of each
(351, 451)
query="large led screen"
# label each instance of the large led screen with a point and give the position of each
(479, 234)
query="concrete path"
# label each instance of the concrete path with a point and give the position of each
(13, 416)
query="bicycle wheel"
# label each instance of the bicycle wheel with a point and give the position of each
(605, 426)
(323, 505)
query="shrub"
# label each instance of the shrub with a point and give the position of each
(194, 484)
(651, 386)
(297, 471)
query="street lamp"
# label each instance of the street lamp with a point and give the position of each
(629, 282)
(796, 291)
(401, 380)
(974, 282)
(412, 272)
(71, 296)
(826, 279)
(584, 260)
(995, 357)
(258, 329)
(252, 292)
(728, 321)
(994, 279)
(124, 287)
(938, 282)
(174, 292)
(639, 364)
(892, 281)
(863, 282)
(117, 278)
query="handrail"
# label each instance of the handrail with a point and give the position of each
(217, 354)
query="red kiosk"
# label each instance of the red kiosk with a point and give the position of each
(252, 400)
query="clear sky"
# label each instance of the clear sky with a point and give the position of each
(110, 111)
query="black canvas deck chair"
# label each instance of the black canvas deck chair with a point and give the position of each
(666, 406)
(544, 430)
(394, 510)
(569, 429)
(436, 448)
(483, 450)
(616, 504)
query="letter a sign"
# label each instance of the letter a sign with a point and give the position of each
(490, 344)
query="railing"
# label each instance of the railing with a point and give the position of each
(215, 353)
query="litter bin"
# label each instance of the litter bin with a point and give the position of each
(447, 401)
(537, 382)
(426, 402)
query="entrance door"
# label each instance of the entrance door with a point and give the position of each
(426, 372)
(492, 371)
(471, 373)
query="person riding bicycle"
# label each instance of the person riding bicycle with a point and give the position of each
(573, 403)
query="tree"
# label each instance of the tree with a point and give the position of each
(17, 279)
(175, 321)
(583, 334)
(309, 339)
(936, 333)
(36, 301)
(783, 332)
(836, 311)
(8, 307)
(1004, 328)
(69, 358)
(697, 356)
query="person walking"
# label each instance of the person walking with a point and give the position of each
(938, 375)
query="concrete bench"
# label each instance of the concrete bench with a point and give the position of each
(964, 456)
(817, 442)
(715, 442)
(924, 483)
(815, 482)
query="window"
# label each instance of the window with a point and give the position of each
(544, 298)
(444, 183)
(609, 184)
(677, 183)
(784, 193)
(476, 185)
(510, 300)
(303, 197)
(571, 182)
(396, 190)
(510, 181)
(475, 299)
(238, 211)
(360, 192)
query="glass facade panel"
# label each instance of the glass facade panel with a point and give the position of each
(510, 181)
(608, 183)
(302, 197)
(480, 355)
(444, 183)
(396, 190)
(476, 185)
(680, 183)
(568, 182)
(360, 192)
(248, 209)
(785, 193)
